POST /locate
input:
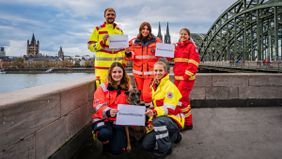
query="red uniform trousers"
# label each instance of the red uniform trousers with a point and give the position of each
(143, 85)
(185, 88)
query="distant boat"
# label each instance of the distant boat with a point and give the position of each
(49, 70)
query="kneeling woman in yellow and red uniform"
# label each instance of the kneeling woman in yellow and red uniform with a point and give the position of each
(106, 98)
(166, 117)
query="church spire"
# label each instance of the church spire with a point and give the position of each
(33, 41)
(167, 36)
(160, 32)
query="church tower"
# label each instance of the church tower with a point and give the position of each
(160, 32)
(2, 52)
(167, 36)
(32, 47)
(61, 53)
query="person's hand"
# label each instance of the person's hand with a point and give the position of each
(127, 50)
(105, 38)
(149, 112)
(113, 112)
(149, 105)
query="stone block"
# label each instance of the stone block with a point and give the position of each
(217, 93)
(233, 93)
(50, 138)
(266, 80)
(203, 80)
(230, 80)
(198, 93)
(73, 98)
(77, 119)
(266, 92)
(22, 119)
(24, 149)
(91, 90)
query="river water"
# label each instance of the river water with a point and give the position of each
(13, 82)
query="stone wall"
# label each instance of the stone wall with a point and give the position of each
(36, 122)
(237, 90)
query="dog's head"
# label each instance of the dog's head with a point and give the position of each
(133, 96)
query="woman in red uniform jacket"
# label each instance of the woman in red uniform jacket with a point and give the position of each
(142, 52)
(186, 62)
(106, 98)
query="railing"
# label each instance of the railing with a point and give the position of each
(257, 66)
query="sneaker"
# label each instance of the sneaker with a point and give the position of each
(179, 138)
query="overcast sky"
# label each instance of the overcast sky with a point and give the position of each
(69, 23)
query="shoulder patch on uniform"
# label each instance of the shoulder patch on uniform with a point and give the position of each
(169, 95)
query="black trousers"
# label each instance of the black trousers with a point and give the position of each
(112, 136)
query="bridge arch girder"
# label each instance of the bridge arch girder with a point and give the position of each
(248, 30)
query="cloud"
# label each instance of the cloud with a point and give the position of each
(69, 23)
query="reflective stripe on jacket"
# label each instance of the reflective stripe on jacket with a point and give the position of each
(105, 100)
(105, 56)
(143, 56)
(186, 60)
(165, 99)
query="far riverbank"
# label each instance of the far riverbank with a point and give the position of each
(47, 70)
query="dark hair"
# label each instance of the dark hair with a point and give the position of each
(139, 36)
(124, 83)
(187, 30)
(109, 9)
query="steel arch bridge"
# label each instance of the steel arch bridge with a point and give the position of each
(249, 30)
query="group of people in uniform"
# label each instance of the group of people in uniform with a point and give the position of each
(169, 109)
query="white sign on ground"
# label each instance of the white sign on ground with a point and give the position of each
(131, 115)
(165, 50)
(118, 41)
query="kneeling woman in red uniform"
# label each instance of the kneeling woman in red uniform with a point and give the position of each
(166, 117)
(186, 62)
(106, 98)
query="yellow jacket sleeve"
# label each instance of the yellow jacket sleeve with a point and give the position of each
(94, 43)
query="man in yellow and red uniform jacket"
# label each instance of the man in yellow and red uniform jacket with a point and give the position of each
(186, 62)
(98, 43)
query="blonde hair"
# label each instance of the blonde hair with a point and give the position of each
(161, 63)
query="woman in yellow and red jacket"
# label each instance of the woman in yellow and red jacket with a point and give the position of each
(165, 116)
(186, 62)
(142, 52)
(106, 98)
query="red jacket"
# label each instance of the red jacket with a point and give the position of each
(186, 60)
(143, 56)
(105, 100)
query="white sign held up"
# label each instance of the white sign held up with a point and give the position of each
(118, 41)
(130, 115)
(165, 50)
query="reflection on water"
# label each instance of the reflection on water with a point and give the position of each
(12, 82)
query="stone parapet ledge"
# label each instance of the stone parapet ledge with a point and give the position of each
(237, 90)
(36, 122)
